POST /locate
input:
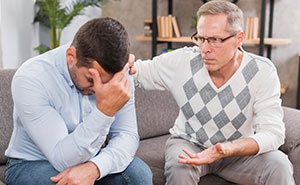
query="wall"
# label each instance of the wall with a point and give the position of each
(131, 14)
(18, 35)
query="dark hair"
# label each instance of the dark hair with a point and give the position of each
(104, 40)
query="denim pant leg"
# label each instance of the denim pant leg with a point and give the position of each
(20, 172)
(137, 173)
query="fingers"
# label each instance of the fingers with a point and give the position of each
(220, 148)
(59, 176)
(187, 161)
(182, 156)
(132, 69)
(125, 69)
(183, 161)
(96, 77)
(63, 181)
(127, 86)
(191, 155)
(131, 58)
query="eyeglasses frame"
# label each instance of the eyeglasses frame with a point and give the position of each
(221, 39)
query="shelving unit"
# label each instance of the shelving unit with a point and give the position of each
(263, 42)
(267, 41)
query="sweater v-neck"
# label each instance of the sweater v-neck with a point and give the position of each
(235, 74)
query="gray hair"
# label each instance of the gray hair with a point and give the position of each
(235, 16)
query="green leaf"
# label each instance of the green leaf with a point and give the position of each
(42, 48)
(52, 15)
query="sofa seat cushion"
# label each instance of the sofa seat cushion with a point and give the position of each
(152, 151)
(2, 172)
(292, 124)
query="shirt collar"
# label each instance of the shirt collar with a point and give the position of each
(61, 63)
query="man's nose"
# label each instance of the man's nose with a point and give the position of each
(205, 46)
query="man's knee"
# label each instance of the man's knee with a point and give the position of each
(284, 166)
(139, 172)
(278, 169)
(30, 172)
(175, 172)
(279, 164)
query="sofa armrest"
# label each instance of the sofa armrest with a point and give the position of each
(292, 133)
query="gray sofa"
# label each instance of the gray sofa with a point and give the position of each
(156, 112)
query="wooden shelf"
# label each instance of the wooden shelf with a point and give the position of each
(174, 39)
(268, 41)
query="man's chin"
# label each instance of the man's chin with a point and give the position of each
(211, 67)
(87, 92)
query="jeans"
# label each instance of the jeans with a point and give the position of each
(21, 172)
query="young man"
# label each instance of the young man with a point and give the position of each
(230, 118)
(66, 102)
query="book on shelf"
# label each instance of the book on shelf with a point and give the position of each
(252, 28)
(170, 29)
(176, 27)
(167, 27)
(159, 25)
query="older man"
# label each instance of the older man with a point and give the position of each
(230, 118)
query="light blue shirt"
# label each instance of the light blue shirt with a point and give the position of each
(53, 121)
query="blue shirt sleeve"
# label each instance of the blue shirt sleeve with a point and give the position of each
(120, 151)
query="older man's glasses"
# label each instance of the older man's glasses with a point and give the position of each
(215, 42)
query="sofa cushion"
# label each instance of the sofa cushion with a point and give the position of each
(292, 124)
(156, 112)
(6, 110)
(152, 152)
(2, 171)
(294, 158)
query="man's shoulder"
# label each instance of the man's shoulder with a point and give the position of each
(194, 49)
(34, 68)
(42, 65)
(261, 61)
(181, 55)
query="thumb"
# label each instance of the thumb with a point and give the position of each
(220, 148)
(59, 176)
(96, 78)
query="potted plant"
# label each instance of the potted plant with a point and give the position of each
(55, 17)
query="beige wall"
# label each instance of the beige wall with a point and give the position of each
(131, 14)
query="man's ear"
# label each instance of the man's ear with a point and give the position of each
(71, 55)
(240, 39)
